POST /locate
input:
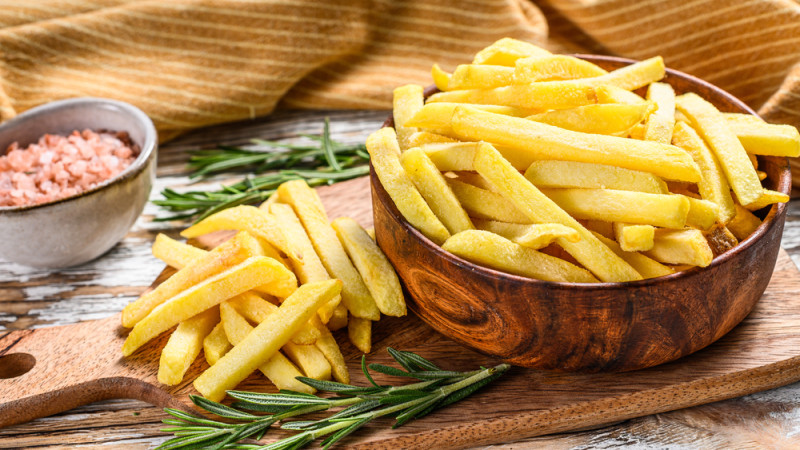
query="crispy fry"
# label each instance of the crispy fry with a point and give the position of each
(338, 319)
(311, 268)
(506, 52)
(720, 239)
(541, 96)
(459, 156)
(440, 78)
(484, 204)
(426, 137)
(173, 253)
(713, 128)
(703, 214)
(376, 271)
(533, 236)
(246, 218)
(184, 345)
(479, 76)
(216, 344)
(647, 267)
(328, 346)
(407, 101)
(609, 205)
(360, 333)
(660, 125)
(211, 291)
(767, 197)
(554, 67)
(547, 142)
(384, 153)
(687, 246)
(256, 309)
(434, 190)
(744, 223)
(492, 250)
(761, 138)
(571, 174)
(613, 94)
(278, 369)
(590, 252)
(225, 256)
(355, 295)
(600, 227)
(308, 358)
(631, 77)
(614, 119)
(265, 340)
(713, 186)
(634, 238)
(436, 116)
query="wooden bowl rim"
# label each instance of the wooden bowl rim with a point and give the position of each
(777, 210)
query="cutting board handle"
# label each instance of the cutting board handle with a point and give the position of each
(50, 370)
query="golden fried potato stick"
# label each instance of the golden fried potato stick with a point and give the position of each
(256, 309)
(440, 78)
(703, 214)
(613, 94)
(744, 223)
(339, 318)
(631, 77)
(225, 256)
(458, 156)
(613, 119)
(407, 100)
(713, 186)
(571, 174)
(496, 252)
(355, 295)
(687, 246)
(533, 236)
(633, 237)
(711, 125)
(385, 157)
(211, 291)
(647, 267)
(246, 218)
(767, 197)
(762, 138)
(360, 333)
(372, 264)
(660, 125)
(506, 52)
(436, 116)
(479, 76)
(540, 96)
(173, 253)
(328, 346)
(184, 345)
(216, 344)
(265, 340)
(485, 204)
(544, 141)
(434, 189)
(554, 67)
(278, 369)
(426, 137)
(720, 239)
(311, 268)
(529, 200)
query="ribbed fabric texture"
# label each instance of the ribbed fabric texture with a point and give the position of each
(190, 63)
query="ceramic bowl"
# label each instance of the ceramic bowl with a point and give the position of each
(587, 327)
(77, 229)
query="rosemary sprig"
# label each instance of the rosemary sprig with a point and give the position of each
(323, 162)
(359, 405)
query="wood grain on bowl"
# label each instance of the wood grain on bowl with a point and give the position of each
(587, 327)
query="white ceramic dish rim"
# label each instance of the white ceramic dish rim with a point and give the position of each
(136, 167)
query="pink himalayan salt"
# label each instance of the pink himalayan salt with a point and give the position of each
(62, 166)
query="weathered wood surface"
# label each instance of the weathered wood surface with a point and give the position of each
(32, 299)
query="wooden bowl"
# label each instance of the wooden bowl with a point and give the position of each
(587, 327)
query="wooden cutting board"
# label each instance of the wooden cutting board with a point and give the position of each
(81, 363)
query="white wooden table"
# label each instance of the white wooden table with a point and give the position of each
(32, 298)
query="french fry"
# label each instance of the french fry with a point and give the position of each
(744, 223)
(494, 251)
(713, 128)
(479, 76)
(614, 119)
(308, 358)
(406, 102)
(240, 278)
(687, 246)
(634, 238)
(548, 142)
(660, 125)
(311, 268)
(459, 156)
(703, 214)
(436, 116)
(256, 309)
(225, 256)
(609, 205)
(571, 174)
(184, 345)
(554, 67)
(246, 218)
(484, 204)
(761, 138)
(426, 137)
(542, 96)
(713, 186)
(355, 295)
(600, 227)
(647, 267)
(767, 197)
(433, 187)
(338, 319)
(384, 153)
(631, 77)
(637, 132)
(216, 344)
(360, 333)
(589, 251)
(613, 94)
(440, 78)
(173, 253)
(533, 236)
(328, 346)
(278, 369)
(265, 340)
(272, 199)
(376, 271)
(506, 52)
(720, 239)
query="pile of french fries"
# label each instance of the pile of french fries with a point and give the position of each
(240, 302)
(550, 167)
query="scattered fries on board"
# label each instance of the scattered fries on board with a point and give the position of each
(268, 298)
(551, 167)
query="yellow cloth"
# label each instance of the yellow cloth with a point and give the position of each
(190, 63)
